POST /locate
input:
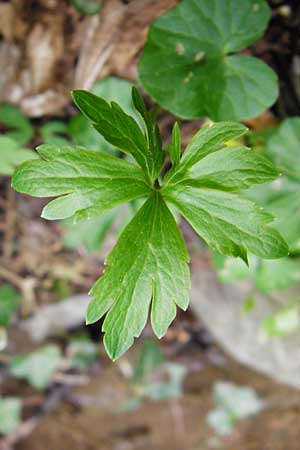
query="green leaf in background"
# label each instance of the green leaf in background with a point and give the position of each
(267, 275)
(88, 182)
(12, 155)
(150, 357)
(233, 403)
(10, 414)
(189, 67)
(282, 199)
(167, 389)
(54, 133)
(18, 126)
(277, 274)
(154, 378)
(284, 145)
(285, 207)
(87, 7)
(38, 367)
(283, 323)
(82, 352)
(90, 233)
(111, 89)
(230, 269)
(9, 302)
(257, 139)
(154, 266)
(220, 421)
(249, 304)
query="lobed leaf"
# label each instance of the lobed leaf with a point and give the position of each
(228, 223)
(208, 139)
(110, 89)
(154, 266)
(87, 182)
(117, 127)
(233, 169)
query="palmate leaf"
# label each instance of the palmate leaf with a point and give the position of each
(188, 65)
(148, 262)
(88, 182)
(148, 267)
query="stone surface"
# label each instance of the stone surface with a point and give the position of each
(220, 308)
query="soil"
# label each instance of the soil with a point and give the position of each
(88, 419)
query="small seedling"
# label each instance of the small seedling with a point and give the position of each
(148, 267)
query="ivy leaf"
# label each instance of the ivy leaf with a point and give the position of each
(117, 127)
(87, 182)
(19, 127)
(234, 228)
(154, 266)
(11, 155)
(187, 65)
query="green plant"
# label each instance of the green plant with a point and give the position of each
(153, 378)
(282, 199)
(37, 367)
(91, 234)
(12, 155)
(10, 414)
(150, 259)
(232, 403)
(189, 65)
(9, 302)
(87, 7)
(18, 127)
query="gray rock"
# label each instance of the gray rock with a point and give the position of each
(57, 317)
(220, 308)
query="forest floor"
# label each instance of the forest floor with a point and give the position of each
(84, 411)
(88, 418)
